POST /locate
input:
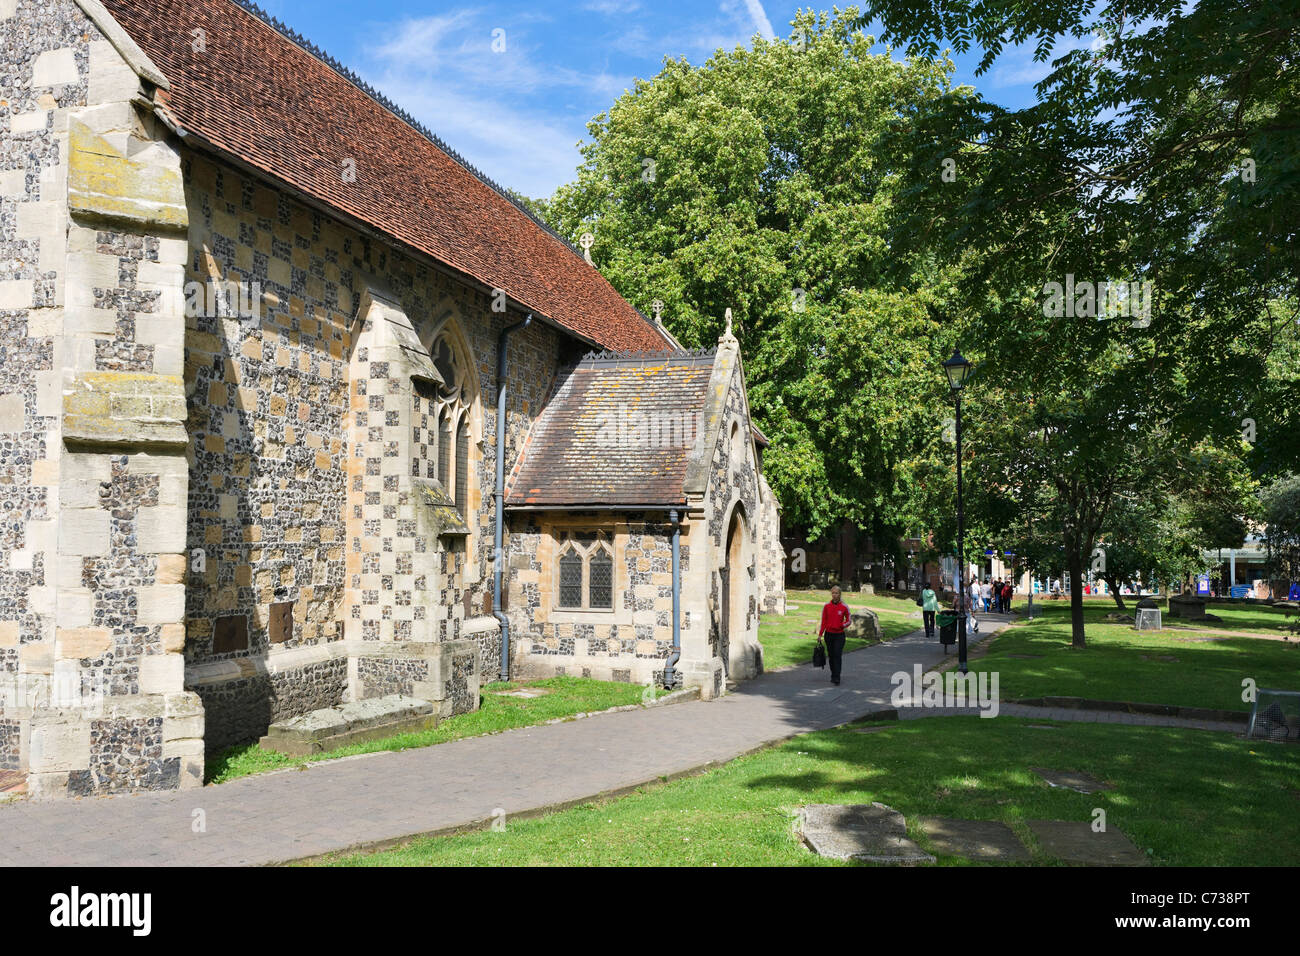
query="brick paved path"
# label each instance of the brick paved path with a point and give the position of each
(338, 804)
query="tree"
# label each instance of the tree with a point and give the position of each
(1281, 514)
(1145, 537)
(1167, 157)
(754, 183)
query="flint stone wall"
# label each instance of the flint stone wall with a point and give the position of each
(240, 711)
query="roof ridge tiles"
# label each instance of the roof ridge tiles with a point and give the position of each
(615, 357)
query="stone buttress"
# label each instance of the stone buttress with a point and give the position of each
(93, 698)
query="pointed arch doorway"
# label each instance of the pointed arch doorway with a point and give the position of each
(734, 574)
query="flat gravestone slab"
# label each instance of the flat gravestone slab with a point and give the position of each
(1075, 842)
(1043, 726)
(354, 722)
(527, 692)
(983, 840)
(1072, 780)
(874, 833)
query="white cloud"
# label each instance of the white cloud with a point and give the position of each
(1023, 72)
(516, 147)
(489, 107)
(761, 23)
(518, 115)
(1017, 66)
(420, 41)
(611, 8)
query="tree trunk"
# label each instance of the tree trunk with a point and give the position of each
(1114, 592)
(1075, 561)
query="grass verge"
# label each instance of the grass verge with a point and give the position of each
(1186, 797)
(566, 697)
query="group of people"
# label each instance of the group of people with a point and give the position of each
(993, 596)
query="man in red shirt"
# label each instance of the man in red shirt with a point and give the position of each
(835, 620)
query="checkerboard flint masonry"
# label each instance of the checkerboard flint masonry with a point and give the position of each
(224, 510)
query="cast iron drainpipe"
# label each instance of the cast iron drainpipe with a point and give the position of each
(670, 680)
(498, 559)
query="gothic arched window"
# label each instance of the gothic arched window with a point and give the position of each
(462, 463)
(586, 572)
(447, 414)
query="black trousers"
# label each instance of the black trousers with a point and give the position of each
(929, 623)
(834, 652)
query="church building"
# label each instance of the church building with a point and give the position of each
(297, 408)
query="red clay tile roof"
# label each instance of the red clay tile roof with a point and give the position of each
(258, 95)
(618, 431)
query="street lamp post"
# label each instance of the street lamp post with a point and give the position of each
(957, 370)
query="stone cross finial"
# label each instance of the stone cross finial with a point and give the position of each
(658, 306)
(728, 338)
(587, 240)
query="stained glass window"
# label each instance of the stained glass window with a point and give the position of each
(571, 579)
(445, 422)
(601, 572)
(444, 360)
(586, 571)
(444, 446)
(462, 466)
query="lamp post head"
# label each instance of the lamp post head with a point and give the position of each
(957, 369)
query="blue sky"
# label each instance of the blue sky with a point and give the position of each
(519, 113)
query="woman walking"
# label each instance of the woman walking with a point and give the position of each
(835, 618)
(929, 606)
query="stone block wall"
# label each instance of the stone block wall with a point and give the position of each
(771, 554)
(267, 396)
(632, 641)
(91, 419)
(306, 367)
(242, 704)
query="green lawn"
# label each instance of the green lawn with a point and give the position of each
(1234, 617)
(1120, 663)
(788, 639)
(1189, 798)
(567, 696)
(1239, 617)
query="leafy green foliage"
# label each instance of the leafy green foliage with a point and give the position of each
(1281, 514)
(754, 182)
(1166, 153)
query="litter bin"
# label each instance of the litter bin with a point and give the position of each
(947, 621)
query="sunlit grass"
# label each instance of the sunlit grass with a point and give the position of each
(1188, 798)
(1035, 659)
(566, 696)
